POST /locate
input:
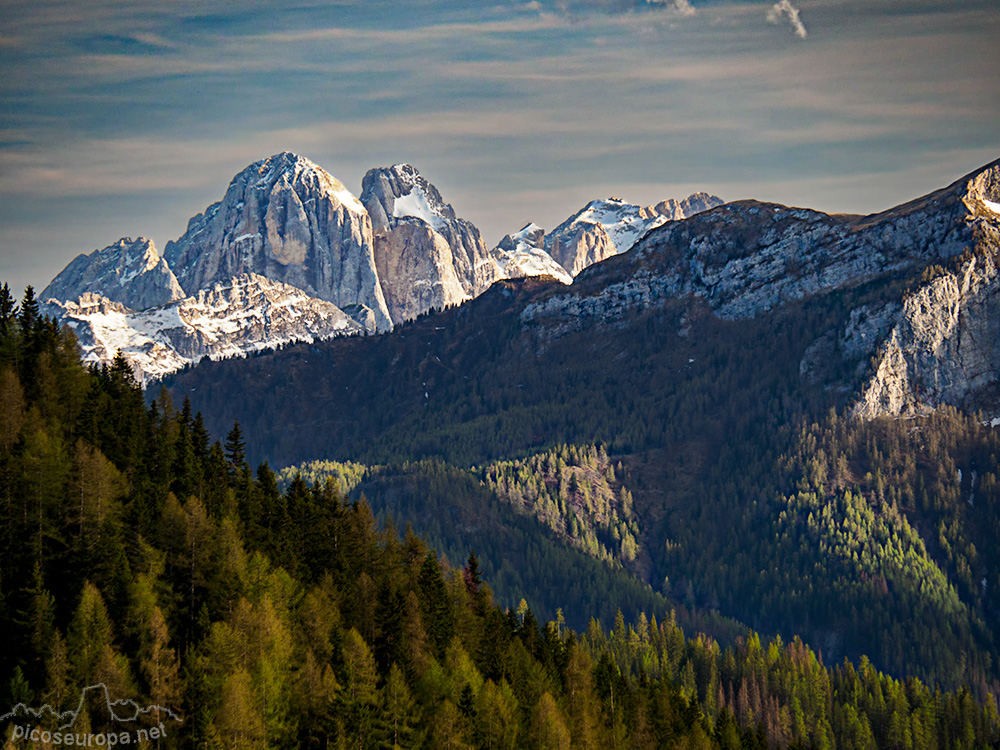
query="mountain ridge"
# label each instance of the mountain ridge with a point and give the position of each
(287, 219)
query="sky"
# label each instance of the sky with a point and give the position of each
(127, 117)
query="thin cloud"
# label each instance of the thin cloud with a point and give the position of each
(681, 7)
(786, 11)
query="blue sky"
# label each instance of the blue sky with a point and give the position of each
(126, 118)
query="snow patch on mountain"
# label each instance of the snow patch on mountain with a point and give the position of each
(522, 254)
(622, 221)
(416, 205)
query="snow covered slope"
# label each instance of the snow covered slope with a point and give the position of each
(241, 315)
(523, 254)
(604, 228)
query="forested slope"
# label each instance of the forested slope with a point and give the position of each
(139, 554)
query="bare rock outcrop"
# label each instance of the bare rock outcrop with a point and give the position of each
(945, 345)
(129, 271)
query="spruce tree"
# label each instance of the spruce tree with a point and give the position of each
(236, 449)
(29, 310)
(435, 604)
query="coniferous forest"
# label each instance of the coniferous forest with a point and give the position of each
(281, 612)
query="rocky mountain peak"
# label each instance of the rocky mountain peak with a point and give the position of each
(673, 210)
(401, 192)
(128, 271)
(291, 170)
(286, 219)
(530, 236)
(426, 256)
(604, 228)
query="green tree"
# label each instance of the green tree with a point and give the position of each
(548, 727)
(435, 604)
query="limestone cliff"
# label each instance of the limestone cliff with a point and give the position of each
(426, 256)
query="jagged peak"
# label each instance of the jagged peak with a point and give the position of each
(401, 192)
(527, 230)
(294, 169)
(128, 270)
(406, 171)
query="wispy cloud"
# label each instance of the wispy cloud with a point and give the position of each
(681, 7)
(784, 10)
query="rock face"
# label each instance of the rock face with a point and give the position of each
(944, 346)
(604, 228)
(426, 256)
(417, 270)
(286, 219)
(232, 318)
(939, 344)
(673, 210)
(129, 271)
(523, 254)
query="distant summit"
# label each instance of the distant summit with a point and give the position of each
(523, 254)
(289, 254)
(604, 228)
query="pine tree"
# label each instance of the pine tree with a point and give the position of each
(496, 720)
(449, 728)
(236, 450)
(12, 408)
(358, 696)
(548, 728)
(435, 604)
(40, 622)
(473, 582)
(8, 310)
(238, 719)
(159, 664)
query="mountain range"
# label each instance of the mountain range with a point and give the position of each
(284, 222)
(763, 412)
(758, 412)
